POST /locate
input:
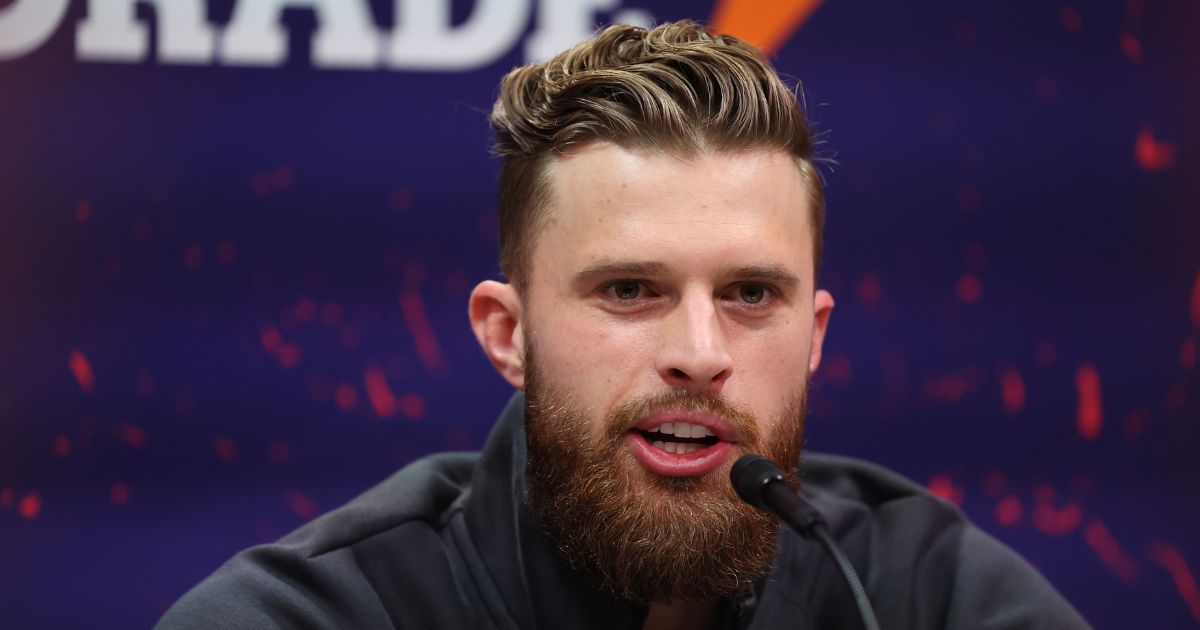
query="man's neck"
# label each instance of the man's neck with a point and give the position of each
(691, 615)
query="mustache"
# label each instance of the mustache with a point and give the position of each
(628, 413)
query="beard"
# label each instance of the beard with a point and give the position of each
(641, 536)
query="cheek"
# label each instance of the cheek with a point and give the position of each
(773, 368)
(588, 355)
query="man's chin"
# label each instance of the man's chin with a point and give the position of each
(640, 535)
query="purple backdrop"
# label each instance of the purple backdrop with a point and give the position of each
(232, 292)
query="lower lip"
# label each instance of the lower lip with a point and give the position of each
(692, 464)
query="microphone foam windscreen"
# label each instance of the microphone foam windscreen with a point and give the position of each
(750, 474)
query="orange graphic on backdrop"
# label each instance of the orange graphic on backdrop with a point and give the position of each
(767, 25)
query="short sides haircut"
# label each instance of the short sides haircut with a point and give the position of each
(674, 88)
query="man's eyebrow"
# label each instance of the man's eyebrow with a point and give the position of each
(633, 269)
(766, 273)
(608, 268)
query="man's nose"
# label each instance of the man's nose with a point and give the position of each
(695, 353)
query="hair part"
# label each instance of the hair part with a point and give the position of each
(674, 88)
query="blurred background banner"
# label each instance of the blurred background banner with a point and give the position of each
(237, 238)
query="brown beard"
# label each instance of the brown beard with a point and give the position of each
(642, 536)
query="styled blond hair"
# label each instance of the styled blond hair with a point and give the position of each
(675, 87)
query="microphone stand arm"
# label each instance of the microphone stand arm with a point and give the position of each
(779, 498)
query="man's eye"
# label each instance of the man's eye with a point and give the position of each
(625, 289)
(752, 293)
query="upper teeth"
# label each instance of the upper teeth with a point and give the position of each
(682, 429)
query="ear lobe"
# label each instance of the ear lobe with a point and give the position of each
(495, 312)
(822, 309)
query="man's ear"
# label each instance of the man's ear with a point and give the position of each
(822, 308)
(495, 312)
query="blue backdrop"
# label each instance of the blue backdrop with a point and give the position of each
(232, 291)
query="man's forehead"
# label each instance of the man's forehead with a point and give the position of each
(602, 160)
(608, 202)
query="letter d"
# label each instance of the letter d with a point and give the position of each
(26, 24)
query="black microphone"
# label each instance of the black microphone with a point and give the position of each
(759, 482)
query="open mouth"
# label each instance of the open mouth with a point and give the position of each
(679, 437)
(681, 444)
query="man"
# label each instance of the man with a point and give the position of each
(660, 226)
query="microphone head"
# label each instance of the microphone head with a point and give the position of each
(750, 474)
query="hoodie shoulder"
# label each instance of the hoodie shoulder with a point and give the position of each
(345, 568)
(923, 562)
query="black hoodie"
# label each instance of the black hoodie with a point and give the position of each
(448, 542)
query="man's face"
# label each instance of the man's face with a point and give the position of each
(670, 323)
(654, 273)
